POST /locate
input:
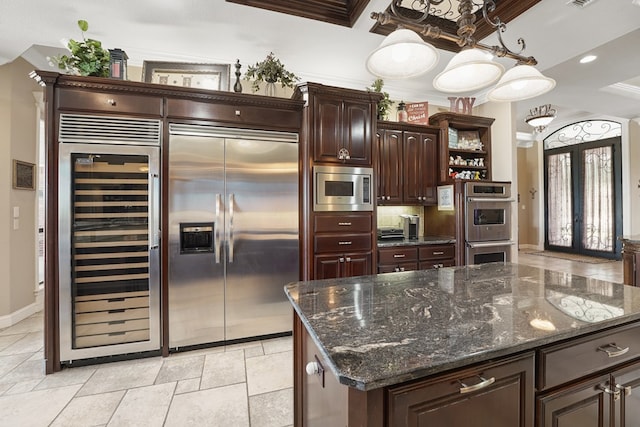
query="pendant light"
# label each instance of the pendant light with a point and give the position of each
(402, 54)
(521, 82)
(470, 69)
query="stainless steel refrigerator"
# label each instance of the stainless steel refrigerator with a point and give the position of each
(109, 287)
(233, 233)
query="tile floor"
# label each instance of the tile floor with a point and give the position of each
(233, 386)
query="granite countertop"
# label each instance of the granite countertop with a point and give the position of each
(630, 239)
(425, 240)
(390, 328)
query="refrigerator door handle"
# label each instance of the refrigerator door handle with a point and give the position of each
(154, 211)
(231, 207)
(216, 230)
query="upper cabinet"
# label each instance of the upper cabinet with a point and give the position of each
(465, 146)
(342, 123)
(407, 166)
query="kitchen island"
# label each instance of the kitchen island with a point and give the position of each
(486, 345)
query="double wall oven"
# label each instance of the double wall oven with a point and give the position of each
(488, 222)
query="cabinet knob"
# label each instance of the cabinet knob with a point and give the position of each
(388, 197)
(237, 112)
(313, 368)
(111, 102)
(348, 259)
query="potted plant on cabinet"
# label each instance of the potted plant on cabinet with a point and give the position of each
(271, 71)
(385, 103)
(87, 57)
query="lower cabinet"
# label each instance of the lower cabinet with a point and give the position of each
(409, 258)
(333, 266)
(490, 395)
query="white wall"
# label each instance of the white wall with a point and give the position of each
(18, 140)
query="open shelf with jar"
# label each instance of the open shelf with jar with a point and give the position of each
(465, 146)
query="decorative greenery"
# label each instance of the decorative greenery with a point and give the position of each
(385, 103)
(87, 58)
(270, 70)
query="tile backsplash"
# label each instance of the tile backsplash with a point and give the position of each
(389, 216)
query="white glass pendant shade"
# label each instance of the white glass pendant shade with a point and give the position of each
(402, 54)
(521, 82)
(541, 121)
(468, 70)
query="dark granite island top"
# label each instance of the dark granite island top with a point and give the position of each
(391, 328)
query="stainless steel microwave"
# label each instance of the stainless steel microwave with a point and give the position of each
(342, 188)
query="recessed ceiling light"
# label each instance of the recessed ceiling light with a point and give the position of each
(587, 59)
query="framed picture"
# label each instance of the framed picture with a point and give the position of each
(199, 76)
(445, 198)
(24, 175)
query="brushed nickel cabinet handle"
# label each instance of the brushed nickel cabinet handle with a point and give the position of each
(345, 243)
(438, 253)
(482, 384)
(617, 351)
(399, 255)
(111, 102)
(344, 224)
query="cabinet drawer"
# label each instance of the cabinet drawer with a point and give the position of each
(403, 266)
(70, 99)
(342, 223)
(343, 243)
(112, 327)
(441, 263)
(112, 338)
(265, 117)
(397, 254)
(436, 252)
(580, 357)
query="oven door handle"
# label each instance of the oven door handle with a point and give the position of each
(474, 245)
(489, 199)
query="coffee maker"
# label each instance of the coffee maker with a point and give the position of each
(410, 226)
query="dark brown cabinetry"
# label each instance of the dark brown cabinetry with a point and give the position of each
(342, 245)
(593, 381)
(407, 164)
(408, 258)
(490, 395)
(631, 261)
(457, 155)
(342, 130)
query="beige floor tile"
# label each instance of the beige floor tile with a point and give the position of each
(270, 372)
(254, 351)
(121, 376)
(30, 343)
(222, 406)
(273, 409)
(26, 371)
(180, 369)
(23, 387)
(36, 408)
(221, 369)
(5, 387)
(7, 340)
(89, 410)
(30, 324)
(8, 363)
(187, 386)
(144, 406)
(278, 345)
(68, 376)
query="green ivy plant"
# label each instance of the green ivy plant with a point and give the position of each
(385, 103)
(270, 70)
(87, 57)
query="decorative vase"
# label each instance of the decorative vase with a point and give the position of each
(270, 88)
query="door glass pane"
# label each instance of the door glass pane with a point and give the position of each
(560, 200)
(110, 249)
(598, 221)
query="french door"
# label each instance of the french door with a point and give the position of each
(583, 207)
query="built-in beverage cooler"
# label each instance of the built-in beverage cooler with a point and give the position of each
(108, 236)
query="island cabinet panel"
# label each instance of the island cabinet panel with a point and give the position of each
(631, 261)
(342, 131)
(489, 395)
(109, 102)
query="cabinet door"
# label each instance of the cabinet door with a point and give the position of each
(503, 397)
(328, 266)
(419, 168)
(584, 405)
(389, 175)
(357, 264)
(627, 407)
(357, 128)
(327, 129)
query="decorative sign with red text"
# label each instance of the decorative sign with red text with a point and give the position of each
(418, 113)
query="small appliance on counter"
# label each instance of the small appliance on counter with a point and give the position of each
(410, 226)
(390, 233)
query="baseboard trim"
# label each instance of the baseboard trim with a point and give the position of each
(23, 313)
(527, 247)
